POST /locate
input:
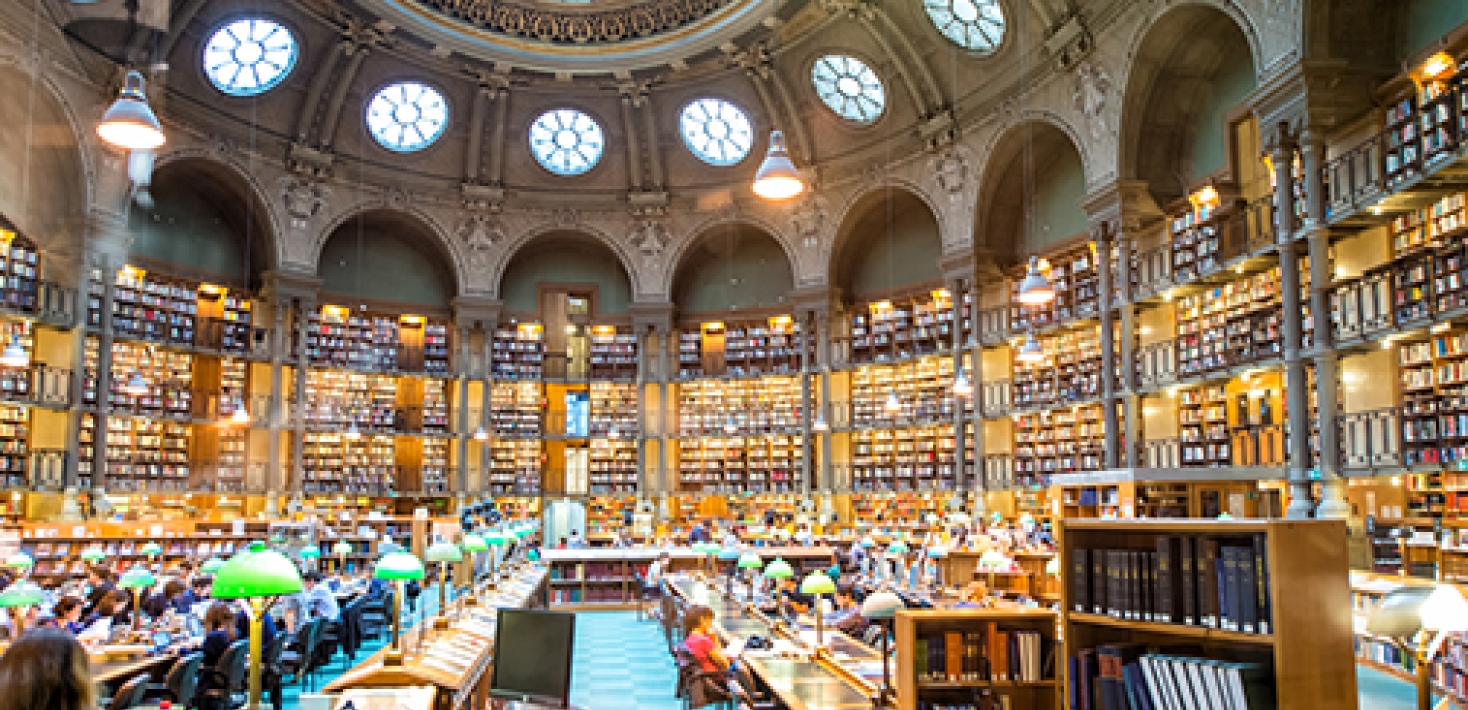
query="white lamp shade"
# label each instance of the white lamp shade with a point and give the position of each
(15, 354)
(1445, 610)
(136, 385)
(1030, 351)
(1035, 289)
(130, 123)
(777, 178)
(882, 605)
(961, 386)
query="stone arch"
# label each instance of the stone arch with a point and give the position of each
(499, 265)
(566, 256)
(865, 214)
(1001, 184)
(226, 174)
(55, 216)
(759, 284)
(1176, 60)
(713, 225)
(436, 245)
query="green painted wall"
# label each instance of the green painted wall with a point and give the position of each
(1426, 21)
(185, 229)
(563, 262)
(1059, 188)
(1233, 81)
(393, 268)
(759, 270)
(909, 257)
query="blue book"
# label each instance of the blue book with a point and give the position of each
(1136, 687)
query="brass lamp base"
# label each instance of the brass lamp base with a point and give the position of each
(393, 657)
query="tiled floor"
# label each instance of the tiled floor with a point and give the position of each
(621, 663)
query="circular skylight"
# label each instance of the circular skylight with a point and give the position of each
(972, 24)
(250, 56)
(407, 116)
(849, 87)
(566, 141)
(717, 131)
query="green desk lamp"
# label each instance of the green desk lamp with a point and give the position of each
(312, 553)
(752, 562)
(777, 570)
(17, 598)
(94, 554)
(882, 608)
(397, 567)
(136, 580)
(152, 550)
(473, 544)
(256, 574)
(20, 562)
(211, 566)
(443, 552)
(341, 549)
(816, 584)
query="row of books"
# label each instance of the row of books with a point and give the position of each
(990, 655)
(1198, 581)
(1125, 677)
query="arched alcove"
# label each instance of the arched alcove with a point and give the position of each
(205, 224)
(44, 194)
(569, 259)
(871, 259)
(1193, 69)
(389, 258)
(732, 267)
(1036, 166)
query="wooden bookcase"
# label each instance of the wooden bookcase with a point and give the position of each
(1309, 601)
(984, 629)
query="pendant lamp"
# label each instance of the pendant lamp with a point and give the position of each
(241, 415)
(961, 386)
(15, 354)
(1035, 289)
(893, 404)
(730, 427)
(777, 178)
(1030, 351)
(136, 385)
(480, 434)
(820, 425)
(130, 123)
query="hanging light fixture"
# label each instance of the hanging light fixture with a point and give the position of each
(15, 354)
(130, 123)
(1035, 290)
(241, 415)
(777, 178)
(893, 404)
(961, 386)
(480, 434)
(730, 426)
(820, 425)
(135, 385)
(1031, 351)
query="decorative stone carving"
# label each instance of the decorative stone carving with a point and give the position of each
(809, 217)
(651, 238)
(304, 200)
(544, 22)
(950, 171)
(1092, 92)
(479, 233)
(566, 216)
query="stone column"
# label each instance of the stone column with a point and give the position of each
(496, 174)
(461, 437)
(1327, 379)
(1297, 401)
(827, 473)
(807, 407)
(629, 100)
(1131, 401)
(1111, 428)
(474, 155)
(275, 416)
(979, 482)
(486, 448)
(960, 421)
(296, 481)
(644, 351)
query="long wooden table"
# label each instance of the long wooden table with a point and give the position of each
(802, 683)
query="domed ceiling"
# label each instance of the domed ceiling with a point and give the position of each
(577, 36)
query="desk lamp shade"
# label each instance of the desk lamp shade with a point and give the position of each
(1052, 567)
(310, 553)
(212, 566)
(992, 559)
(474, 543)
(937, 552)
(750, 560)
(341, 548)
(881, 605)
(533, 555)
(867, 542)
(1445, 610)
(20, 560)
(932, 518)
(996, 517)
(152, 549)
(779, 569)
(817, 583)
(897, 547)
(21, 595)
(1026, 519)
(524, 532)
(257, 572)
(93, 555)
(444, 551)
(137, 578)
(398, 565)
(728, 554)
(496, 538)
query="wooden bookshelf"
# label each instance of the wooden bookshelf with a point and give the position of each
(981, 653)
(612, 353)
(904, 459)
(1055, 441)
(19, 259)
(901, 328)
(922, 386)
(1299, 624)
(518, 352)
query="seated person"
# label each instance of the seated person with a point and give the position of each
(219, 633)
(198, 591)
(791, 600)
(698, 638)
(68, 615)
(161, 603)
(242, 625)
(847, 617)
(314, 601)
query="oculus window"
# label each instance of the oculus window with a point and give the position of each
(407, 116)
(849, 87)
(566, 141)
(716, 131)
(976, 25)
(249, 57)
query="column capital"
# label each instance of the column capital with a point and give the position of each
(820, 300)
(958, 266)
(285, 285)
(652, 316)
(477, 310)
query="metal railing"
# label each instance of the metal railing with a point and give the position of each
(993, 325)
(1263, 446)
(1162, 453)
(1362, 307)
(1154, 272)
(1356, 179)
(1157, 364)
(1371, 440)
(994, 398)
(998, 472)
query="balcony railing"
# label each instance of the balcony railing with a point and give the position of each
(998, 472)
(1371, 440)
(1362, 307)
(993, 325)
(1154, 272)
(1157, 364)
(994, 398)
(1356, 179)
(1162, 453)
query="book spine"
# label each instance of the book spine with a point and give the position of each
(1100, 581)
(1186, 580)
(1207, 582)
(1165, 556)
(1080, 580)
(1248, 597)
(1261, 582)
(1149, 577)
(1227, 571)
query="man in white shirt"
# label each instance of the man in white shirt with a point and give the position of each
(314, 601)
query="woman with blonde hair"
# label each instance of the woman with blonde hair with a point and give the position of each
(46, 669)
